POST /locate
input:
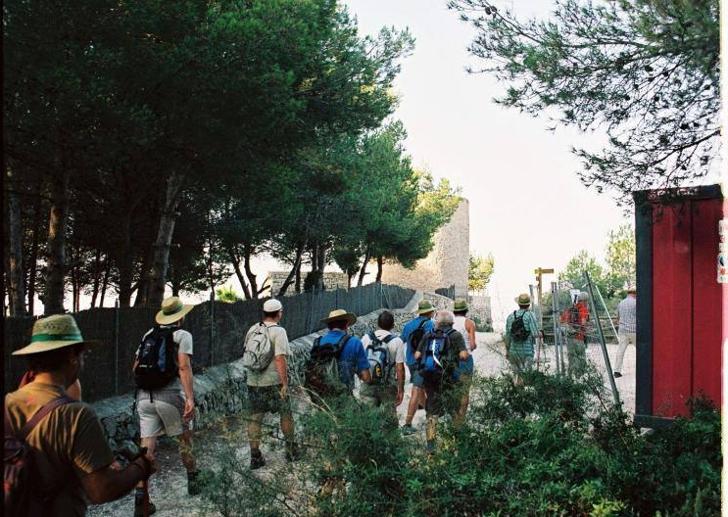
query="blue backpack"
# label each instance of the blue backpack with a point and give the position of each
(437, 359)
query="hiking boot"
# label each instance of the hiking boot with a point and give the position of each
(256, 459)
(617, 375)
(407, 430)
(193, 483)
(293, 453)
(139, 505)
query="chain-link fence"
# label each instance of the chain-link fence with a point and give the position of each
(218, 330)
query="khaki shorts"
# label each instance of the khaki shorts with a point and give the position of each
(162, 414)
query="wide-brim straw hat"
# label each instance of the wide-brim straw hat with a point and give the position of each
(460, 305)
(523, 299)
(52, 333)
(338, 315)
(425, 307)
(172, 311)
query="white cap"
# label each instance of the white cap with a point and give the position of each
(272, 305)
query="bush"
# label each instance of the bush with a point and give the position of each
(554, 446)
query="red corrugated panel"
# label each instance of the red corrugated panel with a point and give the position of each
(672, 308)
(707, 299)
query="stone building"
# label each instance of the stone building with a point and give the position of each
(447, 263)
(332, 280)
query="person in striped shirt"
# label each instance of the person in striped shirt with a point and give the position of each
(520, 349)
(627, 321)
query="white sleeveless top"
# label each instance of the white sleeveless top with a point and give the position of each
(459, 325)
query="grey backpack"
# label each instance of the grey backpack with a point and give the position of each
(258, 349)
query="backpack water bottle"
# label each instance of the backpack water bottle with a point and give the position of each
(156, 361)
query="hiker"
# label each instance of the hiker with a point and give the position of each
(72, 461)
(627, 327)
(336, 358)
(412, 334)
(165, 400)
(521, 333)
(385, 351)
(265, 357)
(466, 368)
(576, 320)
(438, 356)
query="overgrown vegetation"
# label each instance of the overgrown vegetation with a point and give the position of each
(554, 446)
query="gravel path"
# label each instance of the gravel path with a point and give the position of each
(168, 487)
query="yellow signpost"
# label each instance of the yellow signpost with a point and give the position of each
(539, 279)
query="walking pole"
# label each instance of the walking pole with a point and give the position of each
(554, 313)
(609, 316)
(562, 336)
(603, 344)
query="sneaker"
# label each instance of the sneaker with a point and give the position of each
(193, 484)
(617, 375)
(256, 460)
(407, 429)
(293, 454)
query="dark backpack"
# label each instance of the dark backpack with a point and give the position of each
(380, 364)
(157, 360)
(519, 330)
(416, 336)
(22, 493)
(437, 358)
(322, 368)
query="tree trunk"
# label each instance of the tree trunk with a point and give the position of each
(97, 278)
(239, 273)
(320, 267)
(298, 277)
(163, 241)
(16, 283)
(363, 270)
(56, 259)
(33, 258)
(292, 274)
(142, 297)
(105, 282)
(247, 254)
(380, 268)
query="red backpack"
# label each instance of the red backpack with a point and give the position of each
(19, 463)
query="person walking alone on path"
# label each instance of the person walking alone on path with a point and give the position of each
(627, 322)
(165, 399)
(466, 327)
(65, 437)
(265, 357)
(412, 334)
(386, 360)
(521, 333)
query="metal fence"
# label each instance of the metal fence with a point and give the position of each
(218, 330)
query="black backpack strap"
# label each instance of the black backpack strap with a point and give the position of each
(373, 338)
(41, 414)
(389, 338)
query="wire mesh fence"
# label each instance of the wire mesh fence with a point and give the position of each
(218, 330)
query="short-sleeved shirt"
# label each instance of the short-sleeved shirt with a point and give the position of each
(627, 311)
(395, 349)
(183, 340)
(522, 348)
(410, 327)
(69, 442)
(279, 340)
(353, 358)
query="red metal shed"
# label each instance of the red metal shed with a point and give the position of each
(681, 306)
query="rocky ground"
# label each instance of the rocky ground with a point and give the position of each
(169, 485)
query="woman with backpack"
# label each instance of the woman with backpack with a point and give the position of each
(520, 338)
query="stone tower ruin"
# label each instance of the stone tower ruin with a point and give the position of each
(447, 263)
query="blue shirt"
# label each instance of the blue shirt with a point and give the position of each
(353, 358)
(410, 327)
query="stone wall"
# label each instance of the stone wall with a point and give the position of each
(332, 280)
(446, 265)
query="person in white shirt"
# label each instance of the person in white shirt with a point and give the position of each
(627, 321)
(386, 388)
(466, 369)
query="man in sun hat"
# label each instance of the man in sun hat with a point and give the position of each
(466, 368)
(520, 337)
(165, 399)
(351, 358)
(266, 360)
(412, 334)
(627, 324)
(73, 461)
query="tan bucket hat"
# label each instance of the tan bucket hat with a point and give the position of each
(172, 311)
(340, 314)
(52, 333)
(523, 299)
(425, 307)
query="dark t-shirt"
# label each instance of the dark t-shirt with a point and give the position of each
(69, 443)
